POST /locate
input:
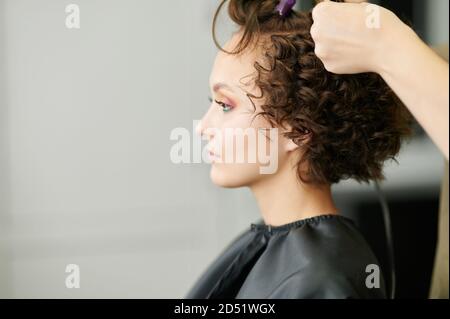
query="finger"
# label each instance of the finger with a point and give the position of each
(332, 5)
(346, 1)
(322, 8)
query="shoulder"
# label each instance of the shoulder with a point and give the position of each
(330, 259)
(326, 283)
(332, 240)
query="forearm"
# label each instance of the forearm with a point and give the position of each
(420, 78)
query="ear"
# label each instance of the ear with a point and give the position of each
(291, 145)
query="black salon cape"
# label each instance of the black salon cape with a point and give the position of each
(324, 257)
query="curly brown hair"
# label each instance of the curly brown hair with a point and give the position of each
(347, 125)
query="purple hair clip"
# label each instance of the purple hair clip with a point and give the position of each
(285, 6)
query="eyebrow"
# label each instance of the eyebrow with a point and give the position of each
(220, 86)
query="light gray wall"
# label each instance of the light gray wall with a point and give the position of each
(5, 195)
(86, 175)
(437, 21)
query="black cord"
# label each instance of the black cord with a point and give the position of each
(389, 239)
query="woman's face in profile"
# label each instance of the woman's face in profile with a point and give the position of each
(244, 148)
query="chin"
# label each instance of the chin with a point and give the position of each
(229, 176)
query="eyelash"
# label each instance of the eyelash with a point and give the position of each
(225, 107)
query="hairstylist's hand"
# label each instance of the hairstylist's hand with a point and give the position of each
(355, 37)
(361, 37)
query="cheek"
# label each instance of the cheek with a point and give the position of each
(239, 141)
(238, 166)
(245, 150)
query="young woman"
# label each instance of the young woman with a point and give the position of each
(329, 128)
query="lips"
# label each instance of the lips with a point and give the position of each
(212, 155)
(211, 148)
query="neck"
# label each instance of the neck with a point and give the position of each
(283, 199)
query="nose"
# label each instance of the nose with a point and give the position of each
(205, 126)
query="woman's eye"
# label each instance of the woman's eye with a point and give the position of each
(225, 107)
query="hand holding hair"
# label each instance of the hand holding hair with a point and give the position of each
(360, 37)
